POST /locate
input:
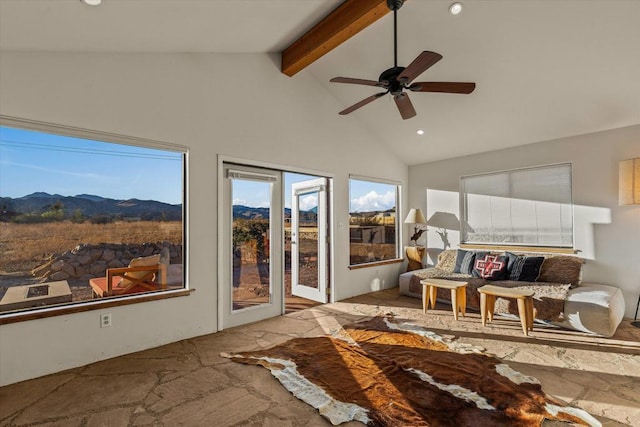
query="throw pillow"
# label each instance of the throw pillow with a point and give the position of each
(149, 261)
(523, 268)
(511, 257)
(447, 260)
(414, 257)
(478, 255)
(490, 267)
(561, 269)
(464, 262)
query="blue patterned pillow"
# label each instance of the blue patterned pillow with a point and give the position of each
(464, 262)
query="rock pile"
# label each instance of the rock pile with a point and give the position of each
(86, 261)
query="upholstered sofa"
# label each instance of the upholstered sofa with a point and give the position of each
(560, 299)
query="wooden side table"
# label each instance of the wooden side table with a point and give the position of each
(458, 294)
(488, 294)
(414, 255)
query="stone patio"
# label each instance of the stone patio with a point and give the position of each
(188, 383)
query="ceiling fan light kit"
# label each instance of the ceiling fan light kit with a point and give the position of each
(396, 79)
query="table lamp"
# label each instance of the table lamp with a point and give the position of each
(416, 217)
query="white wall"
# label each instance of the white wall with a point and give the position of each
(231, 104)
(607, 235)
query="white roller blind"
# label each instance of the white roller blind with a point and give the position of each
(251, 176)
(529, 207)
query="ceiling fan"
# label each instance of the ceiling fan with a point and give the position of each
(396, 79)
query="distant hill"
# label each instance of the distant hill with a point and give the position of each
(373, 213)
(41, 194)
(248, 212)
(90, 206)
(91, 197)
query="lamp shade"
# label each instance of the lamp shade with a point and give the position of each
(415, 216)
(629, 182)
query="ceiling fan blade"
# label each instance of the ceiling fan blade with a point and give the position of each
(419, 65)
(445, 87)
(362, 103)
(404, 106)
(356, 81)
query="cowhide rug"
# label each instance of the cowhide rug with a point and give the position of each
(382, 373)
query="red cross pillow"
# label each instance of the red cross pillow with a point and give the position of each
(491, 267)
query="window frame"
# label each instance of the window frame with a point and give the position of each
(114, 301)
(398, 231)
(464, 209)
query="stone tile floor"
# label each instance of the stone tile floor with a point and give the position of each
(187, 383)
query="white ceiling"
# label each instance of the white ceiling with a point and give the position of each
(544, 69)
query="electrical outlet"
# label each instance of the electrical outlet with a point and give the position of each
(105, 320)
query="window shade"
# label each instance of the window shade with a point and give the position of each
(528, 207)
(251, 176)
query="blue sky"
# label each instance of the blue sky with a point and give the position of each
(33, 161)
(256, 194)
(364, 195)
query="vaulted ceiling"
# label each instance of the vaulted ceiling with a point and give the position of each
(544, 69)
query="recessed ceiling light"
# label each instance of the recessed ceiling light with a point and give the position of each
(91, 2)
(420, 132)
(455, 8)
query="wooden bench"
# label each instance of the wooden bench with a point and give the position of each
(458, 294)
(488, 294)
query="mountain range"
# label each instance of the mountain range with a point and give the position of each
(248, 212)
(90, 205)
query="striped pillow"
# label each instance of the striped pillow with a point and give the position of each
(464, 262)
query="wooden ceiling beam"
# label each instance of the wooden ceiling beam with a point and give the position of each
(340, 25)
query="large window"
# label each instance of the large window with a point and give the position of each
(85, 219)
(373, 228)
(523, 207)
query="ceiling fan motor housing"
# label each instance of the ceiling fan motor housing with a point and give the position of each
(389, 78)
(395, 4)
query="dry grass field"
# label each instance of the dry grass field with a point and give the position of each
(25, 246)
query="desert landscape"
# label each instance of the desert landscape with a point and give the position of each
(24, 247)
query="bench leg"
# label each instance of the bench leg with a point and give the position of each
(523, 312)
(454, 303)
(425, 297)
(491, 306)
(483, 308)
(433, 294)
(462, 300)
(530, 312)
